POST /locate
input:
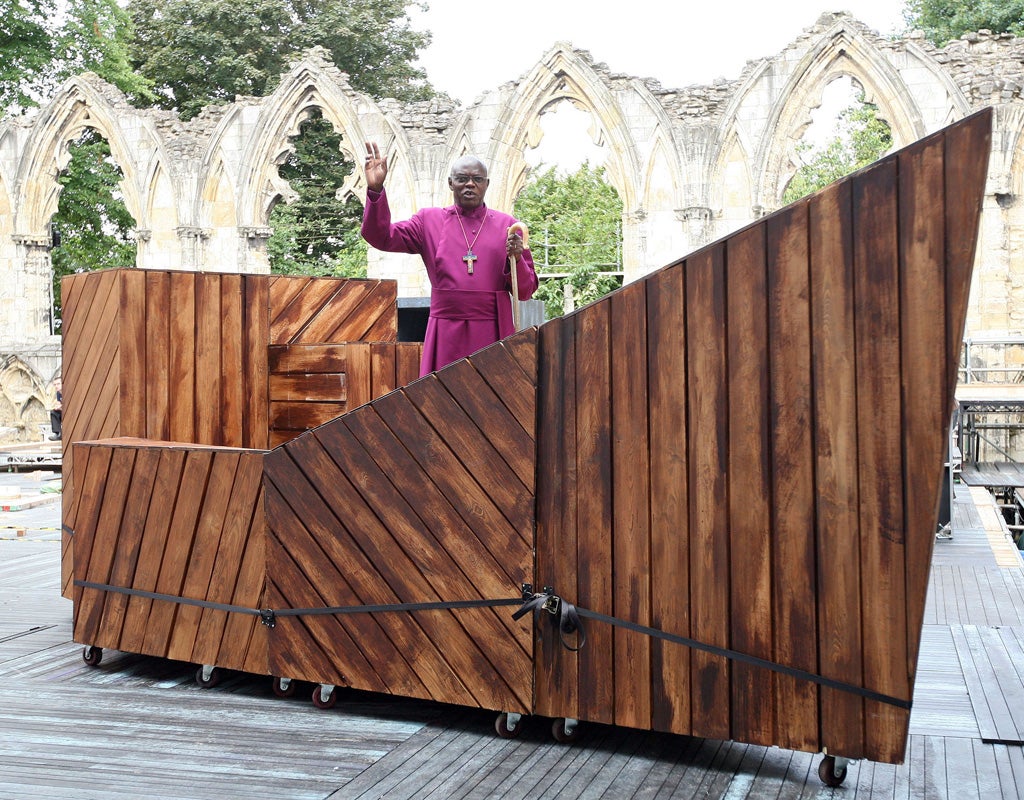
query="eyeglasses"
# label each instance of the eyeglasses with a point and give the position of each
(462, 180)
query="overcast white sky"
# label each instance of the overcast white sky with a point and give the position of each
(480, 44)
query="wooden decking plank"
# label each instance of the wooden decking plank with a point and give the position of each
(992, 659)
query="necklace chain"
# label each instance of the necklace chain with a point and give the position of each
(470, 257)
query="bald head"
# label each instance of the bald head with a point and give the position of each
(468, 182)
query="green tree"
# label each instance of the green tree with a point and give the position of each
(861, 138)
(941, 21)
(92, 224)
(317, 233)
(24, 52)
(198, 52)
(574, 224)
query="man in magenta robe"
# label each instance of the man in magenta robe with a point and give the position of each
(465, 248)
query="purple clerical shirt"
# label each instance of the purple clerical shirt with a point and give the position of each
(468, 309)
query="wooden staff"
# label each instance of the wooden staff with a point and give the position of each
(516, 312)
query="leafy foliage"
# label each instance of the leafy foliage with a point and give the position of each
(317, 233)
(199, 52)
(574, 224)
(941, 21)
(861, 138)
(91, 222)
(24, 51)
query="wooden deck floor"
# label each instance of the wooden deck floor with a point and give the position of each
(140, 727)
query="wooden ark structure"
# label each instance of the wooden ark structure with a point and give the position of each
(731, 469)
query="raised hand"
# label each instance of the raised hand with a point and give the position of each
(376, 167)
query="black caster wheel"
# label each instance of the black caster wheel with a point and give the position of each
(828, 773)
(564, 730)
(92, 655)
(284, 687)
(210, 681)
(506, 729)
(325, 702)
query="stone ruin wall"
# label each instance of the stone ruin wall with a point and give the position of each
(690, 164)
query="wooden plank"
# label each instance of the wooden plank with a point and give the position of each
(417, 571)
(288, 321)
(631, 582)
(517, 387)
(234, 388)
(879, 411)
(331, 322)
(476, 451)
(382, 369)
(922, 336)
(749, 485)
(210, 377)
(257, 334)
(836, 468)
(211, 644)
(151, 552)
(96, 562)
(670, 563)
(184, 516)
(455, 481)
(158, 355)
(556, 685)
(994, 682)
(128, 544)
(707, 396)
(307, 358)
(358, 380)
(132, 353)
(407, 367)
(476, 398)
(319, 521)
(90, 506)
(594, 507)
(303, 416)
(281, 291)
(318, 387)
(202, 560)
(183, 358)
(793, 551)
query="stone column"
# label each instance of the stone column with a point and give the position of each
(26, 301)
(193, 246)
(252, 250)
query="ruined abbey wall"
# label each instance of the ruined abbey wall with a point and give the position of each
(690, 164)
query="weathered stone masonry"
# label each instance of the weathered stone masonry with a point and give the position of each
(690, 164)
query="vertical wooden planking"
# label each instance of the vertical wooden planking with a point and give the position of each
(209, 382)
(556, 683)
(182, 375)
(407, 368)
(879, 413)
(132, 352)
(793, 551)
(835, 436)
(382, 369)
(749, 478)
(89, 502)
(233, 387)
(358, 380)
(670, 565)
(926, 411)
(707, 398)
(256, 421)
(158, 355)
(594, 507)
(631, 583)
